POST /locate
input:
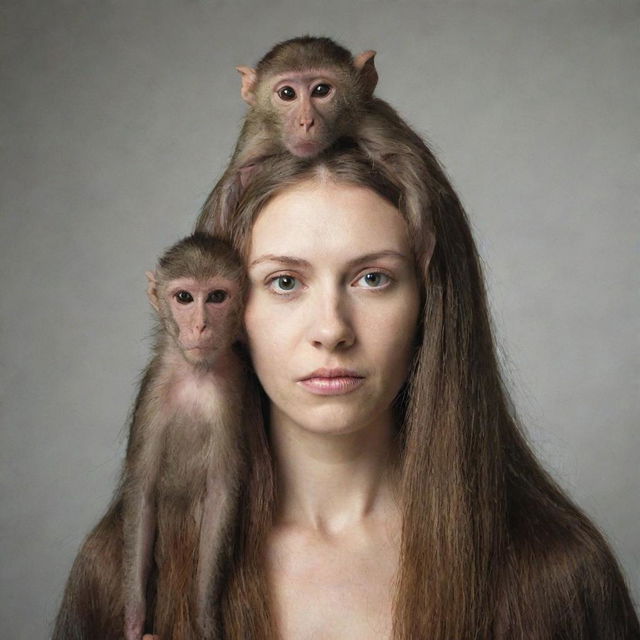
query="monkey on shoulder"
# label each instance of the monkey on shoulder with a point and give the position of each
(155, 560)
(183, 459)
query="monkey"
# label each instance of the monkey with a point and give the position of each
(154, 560)
(182, 447)
(304, 95)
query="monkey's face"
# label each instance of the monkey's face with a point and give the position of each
(309, 109)
(202, 316)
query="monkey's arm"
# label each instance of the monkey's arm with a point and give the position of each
(253, 147)
(220, 503)
(139, 527)
(216, 515)
(139, 534)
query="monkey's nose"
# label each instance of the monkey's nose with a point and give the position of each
(307, 123)
(199, 327)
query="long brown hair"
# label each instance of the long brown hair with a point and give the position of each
(491, 546)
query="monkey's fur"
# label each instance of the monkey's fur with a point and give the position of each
(157, 554)
(308, 124)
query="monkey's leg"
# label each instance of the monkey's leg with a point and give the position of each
(216, 513)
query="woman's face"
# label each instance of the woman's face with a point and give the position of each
(333, 306)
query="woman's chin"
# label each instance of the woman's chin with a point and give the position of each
(332, 421)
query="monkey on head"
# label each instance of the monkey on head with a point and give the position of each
(309, 92)
(304, 95)
(154, 559)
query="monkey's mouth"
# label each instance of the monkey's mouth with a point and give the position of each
(200, 349)
(305, 149)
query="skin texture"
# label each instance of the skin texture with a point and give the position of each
(332, 284)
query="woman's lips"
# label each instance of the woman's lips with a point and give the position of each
(332, 382)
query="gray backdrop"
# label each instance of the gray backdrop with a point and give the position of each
(117, 117)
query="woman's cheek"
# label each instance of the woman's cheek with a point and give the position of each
(264, 326)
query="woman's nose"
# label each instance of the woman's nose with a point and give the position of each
(330, 323)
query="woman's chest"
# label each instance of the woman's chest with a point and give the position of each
(333, 590)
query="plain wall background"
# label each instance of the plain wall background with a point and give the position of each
(117, 118)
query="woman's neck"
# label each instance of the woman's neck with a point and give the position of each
(331, 482)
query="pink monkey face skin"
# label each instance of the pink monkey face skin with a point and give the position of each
(203, 315)
(307, 105)
(333, 306)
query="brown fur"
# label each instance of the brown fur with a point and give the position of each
(266, 131)
(92, 605)
(158, 553)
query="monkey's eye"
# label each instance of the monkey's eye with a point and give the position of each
(217, 296)
(287, 93)
(321, 90)
(184, 297)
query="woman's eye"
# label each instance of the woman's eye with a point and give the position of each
(217, 296)
(321, 90)
(287, 93)
(374, 279)
(184, 297)
(282, 284)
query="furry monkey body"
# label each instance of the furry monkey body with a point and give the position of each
(182, 462)
(154, 560)
(179, 486)
(305, 95)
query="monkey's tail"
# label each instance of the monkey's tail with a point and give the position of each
(177, 559)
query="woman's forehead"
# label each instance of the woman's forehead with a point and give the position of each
(328, 218)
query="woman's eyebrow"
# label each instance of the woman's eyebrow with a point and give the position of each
(375, 255)
(299, 262)
(288, 260)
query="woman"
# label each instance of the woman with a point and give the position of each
(395, 495)
(391, 493)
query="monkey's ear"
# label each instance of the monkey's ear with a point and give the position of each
(249, 81)
(366, 66)
(152, 289)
